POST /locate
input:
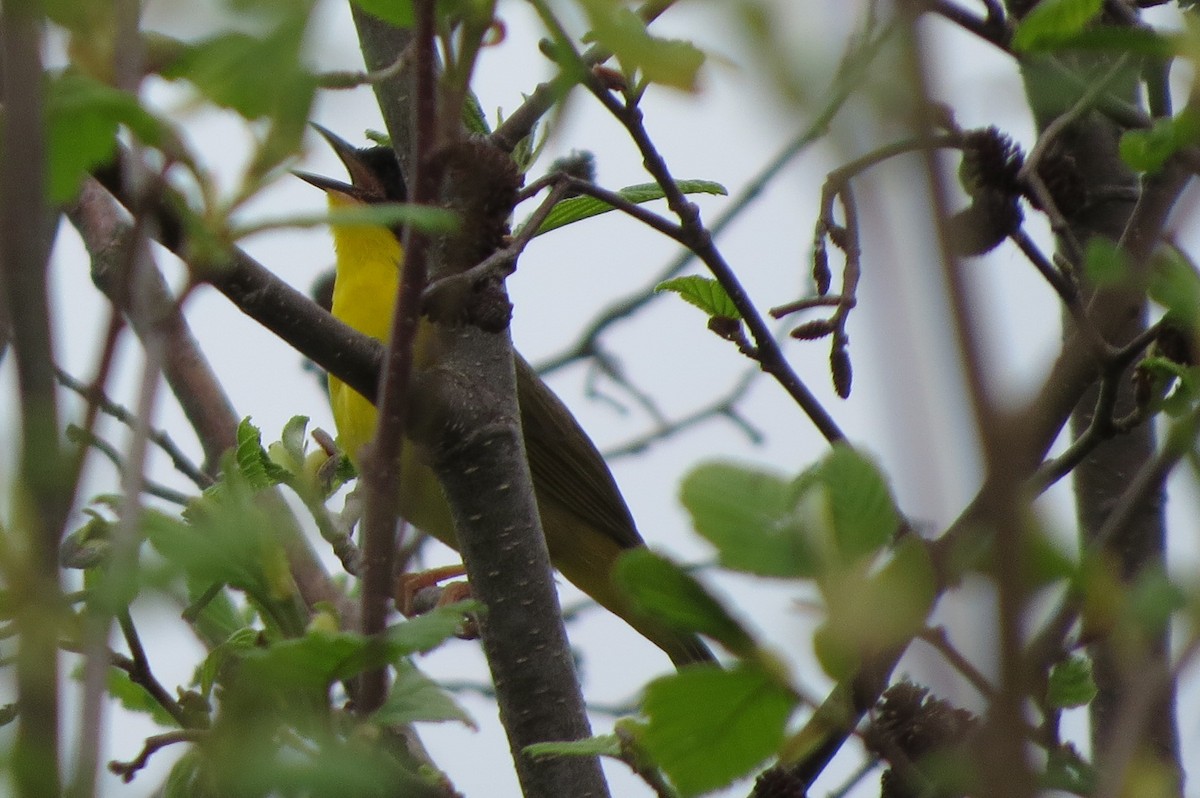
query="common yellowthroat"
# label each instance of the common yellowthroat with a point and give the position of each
(585, 519)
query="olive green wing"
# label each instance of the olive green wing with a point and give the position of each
(564, 463)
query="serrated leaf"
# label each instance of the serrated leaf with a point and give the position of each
(396, 12)
(576, 209)
(313, 661)
(744, 512)
(703, 292)
(253, 462)
(707, 727)
(1053, 21)
(602, 745)
(414, 698)
(231, 539)
(661, 589)
(473, 116)
(1071, 683)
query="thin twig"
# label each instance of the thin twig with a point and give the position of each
(586, 343)
(1064, 286)
(159, 438)
(723, 407)
(352, 79)
(127, 770)
(697, 238)
(110, 452)
(138, 668)
(938, 638)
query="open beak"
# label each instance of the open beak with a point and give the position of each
(364, 184)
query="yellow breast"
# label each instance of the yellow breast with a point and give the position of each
(369, 259)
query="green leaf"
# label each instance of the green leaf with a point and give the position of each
(313, 661)
(707, 726)
(473, 116)
(427, 631)
(252, 459)
(289, 453)
(217, 618)
(1071, 683)
(1105, 264)
(1173, 386)
(869, 611)
(396, 12)
(1153, 601)
(386, 214)
(134, 698)
(1053, 21)
(669, 62)
(1115, 39)
(864, 514)
(662, 589)
(415, 698)
(1067, 771)
(208, 672)
(1175, 286)
(1147, 150)
(743, 511)
(82, 119)
(703, 292)
(256, 76)
(576, 209)
(307, 665)
(231, 538)
(186, 779)
(603, 745)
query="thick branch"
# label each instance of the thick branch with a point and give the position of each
(476, 448)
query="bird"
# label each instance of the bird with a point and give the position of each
(586, 521)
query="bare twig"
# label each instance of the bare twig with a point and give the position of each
(587, 342)
(127, 770)
(159, 438)
(696, 237)
(82, 436)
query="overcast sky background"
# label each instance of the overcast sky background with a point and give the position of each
(906, 407)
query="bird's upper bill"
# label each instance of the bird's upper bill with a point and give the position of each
(366, 183)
